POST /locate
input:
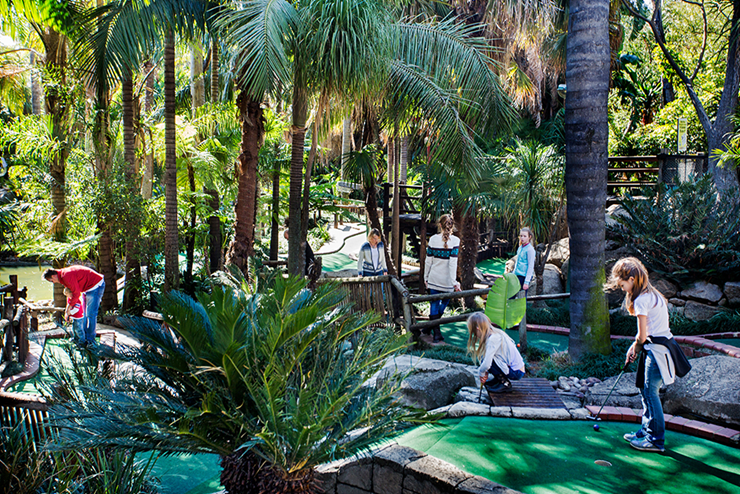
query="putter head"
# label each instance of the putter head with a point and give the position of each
(594, 418)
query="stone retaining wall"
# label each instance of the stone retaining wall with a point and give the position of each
(395, 469)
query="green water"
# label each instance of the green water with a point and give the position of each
(30, 277)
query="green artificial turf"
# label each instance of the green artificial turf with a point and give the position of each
(337, 262)
(188, 474)
(53, 348)
(492, 266)
(456, 334)
(539, 457)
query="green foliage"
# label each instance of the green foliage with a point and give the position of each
(264, 366)
(683, 232)
(720, 323)
(554, 313)
(501, 309)
(536, 186)
(591, 364)
(448, 353)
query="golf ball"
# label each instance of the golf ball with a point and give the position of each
(596, 427)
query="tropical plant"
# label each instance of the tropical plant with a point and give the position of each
(535, 192)
(503, 310)
(683, 231)
(268, 375)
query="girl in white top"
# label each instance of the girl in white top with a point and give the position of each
(496, 352)
(648, 304)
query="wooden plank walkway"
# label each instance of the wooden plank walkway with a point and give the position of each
(532, 392)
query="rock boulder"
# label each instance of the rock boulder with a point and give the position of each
(709, 390)
(668, 289)
(431, 383)
(703, 292)
(559, 252)
(732, 292)
(699, 312)
(551, 281)
(625, 393)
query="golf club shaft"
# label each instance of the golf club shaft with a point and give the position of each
(612, 390)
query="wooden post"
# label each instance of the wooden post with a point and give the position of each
(523, 326)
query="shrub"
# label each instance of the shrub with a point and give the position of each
(592, 364)
(683, 232)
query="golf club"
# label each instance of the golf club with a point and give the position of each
(596, 417)
(480, 394)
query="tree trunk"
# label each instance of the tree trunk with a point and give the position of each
(726, 178)
(296, 250)
(36, 89)
(57, 108)
(214, 232)
(668, 94)
(214, 221)
(307, 182)
(171, 247)
(148, 176)
(586, 133)
(275, 216)
(468, 253)
(253, 131)
(346, 143)
(197, 83)
(133, 268)
(190, 235)
(396, 247)
(214, 70)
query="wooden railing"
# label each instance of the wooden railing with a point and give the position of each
(647, 171)
(411, 325)
(29, 412)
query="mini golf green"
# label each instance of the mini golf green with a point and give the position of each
(456, 333)
(540, 456)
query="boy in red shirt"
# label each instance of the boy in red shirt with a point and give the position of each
(81, 280)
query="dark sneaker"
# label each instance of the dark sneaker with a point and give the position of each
(500, 384)
(631, 436)
(439, 339)
(644, 444)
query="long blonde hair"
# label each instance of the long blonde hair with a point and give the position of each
(479, 329)
(445, 224)
(631, 267)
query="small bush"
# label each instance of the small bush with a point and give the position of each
(557, 313)
(683, 232)
(592, 365)
(447, 353)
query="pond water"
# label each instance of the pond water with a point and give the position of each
(29, 276)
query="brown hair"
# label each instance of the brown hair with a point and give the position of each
(375, 233)
(445, 224)
(631, 267)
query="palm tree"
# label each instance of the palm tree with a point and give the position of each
(586, 133)
(534, 195)
(270, 377)
(262, 29)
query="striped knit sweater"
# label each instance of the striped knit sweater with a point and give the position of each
(440, 270)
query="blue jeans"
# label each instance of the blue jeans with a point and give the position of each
(653, 423)
(78, 329)
(513, 375)
(92, 305)
(437, 306)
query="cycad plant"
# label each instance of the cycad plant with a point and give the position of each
(270, 376)
(683, 231)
